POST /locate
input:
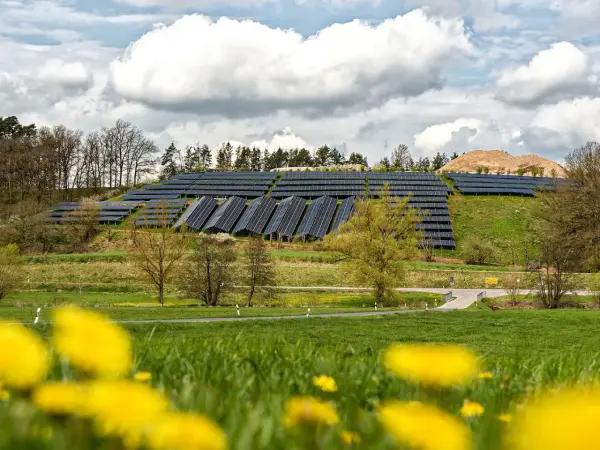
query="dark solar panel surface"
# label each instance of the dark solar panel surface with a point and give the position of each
(201, 213)
(256, 216)
(344, 212)
(286, 217)
(226, 215)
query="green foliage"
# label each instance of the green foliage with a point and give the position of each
(478, 251)
(377, 240)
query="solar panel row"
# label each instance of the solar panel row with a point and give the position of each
(318, 218)
(255, 217)
(344, 213)
(226, 215)
(286, 217)
(203, 210)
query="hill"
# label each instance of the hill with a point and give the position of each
(498, 161)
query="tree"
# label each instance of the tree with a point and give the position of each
(401, 158)
(386, 231)
(513, 286)
(336, 158)
(454, 156)
(224, 158)
(423, 165)
(11, 274)
(170, 161)
(322, 155)
(439, 161)
(554, 279)
(191, 160)
(259, 268)
(85, 221)
(357, 159)
(209, 273)
(158, 252)
(478, 251)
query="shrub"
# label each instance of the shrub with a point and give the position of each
(11, 275)
(478, 251)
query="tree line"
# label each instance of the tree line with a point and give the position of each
(50, 163)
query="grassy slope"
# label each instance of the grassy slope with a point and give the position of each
(501, 221)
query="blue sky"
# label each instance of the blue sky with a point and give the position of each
(438, 75)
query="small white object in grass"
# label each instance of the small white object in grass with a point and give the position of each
(375, 306)
(237, 308)
(426, 307)
(308, 313)
(37, 315)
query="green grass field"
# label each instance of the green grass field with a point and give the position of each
(242, 374)
(499, 220)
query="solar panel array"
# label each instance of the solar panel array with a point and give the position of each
(479, 184)
(318, 218)
(344, 213)
(204, 208)
(207, 184)
(287, 215)
(226, 215)
(106, 212)
(256, 216)
(160, 213)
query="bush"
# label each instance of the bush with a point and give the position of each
(11, 275)
(478, 252)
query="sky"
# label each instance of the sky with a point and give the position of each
(362, 75)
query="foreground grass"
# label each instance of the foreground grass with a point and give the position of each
(241, 375)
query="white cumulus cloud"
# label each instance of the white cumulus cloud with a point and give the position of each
(244, 68)
(69, 75)
(562, 71)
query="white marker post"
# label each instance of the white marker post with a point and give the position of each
(375, 306)
(426, 307)
(237, 308)
(37, 316)
(308, 313)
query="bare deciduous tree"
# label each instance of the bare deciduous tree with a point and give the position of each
(260, 274)
(210, 272)
(158, 252)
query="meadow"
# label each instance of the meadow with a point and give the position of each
(243, 375)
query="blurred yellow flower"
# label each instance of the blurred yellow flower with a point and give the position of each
(91, 342)
(325, 383)
(142, 376)
(59, 398)
(24, 359)
(4, 395)
(567, 419)
(432, 365)
(471, 409)
(424, 427)
(123, 408)
(349, 437)
(309, 410)
(180, 431)
(485, 375)
(506, 418)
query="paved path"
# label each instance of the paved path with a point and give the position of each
(463, 299)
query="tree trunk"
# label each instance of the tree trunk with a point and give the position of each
(250, 295)
(161, 294)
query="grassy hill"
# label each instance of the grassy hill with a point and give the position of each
(502, 221)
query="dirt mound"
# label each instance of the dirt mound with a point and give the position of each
(497, 161)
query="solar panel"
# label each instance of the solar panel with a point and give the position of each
(256, 216)
(226, 215)
(286, 217)
(203, 210)
(324, 219)
(344, 213)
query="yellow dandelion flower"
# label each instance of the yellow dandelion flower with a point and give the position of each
(350, 437)
(486, 375)
(424, 427)
(59, 398)
(325, 383)
(24, 359)
(567, 419)
(309, 410)
(91, 342)
(181, 431)
(506, 418)
(142, 376)
(432, 365)
(471, 409)
(123, 408)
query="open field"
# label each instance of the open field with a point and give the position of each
(242, 375)
(499, 220)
